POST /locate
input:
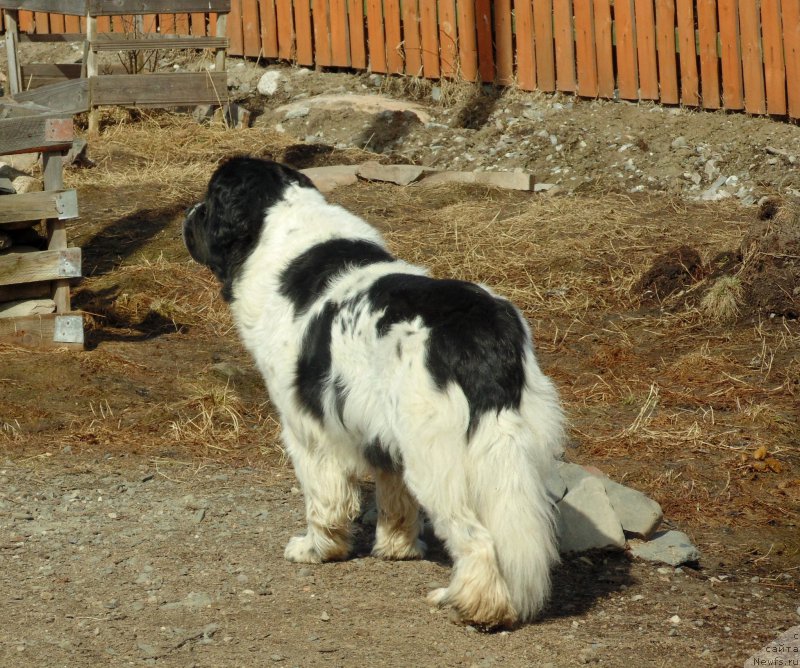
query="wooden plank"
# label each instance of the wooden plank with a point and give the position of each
(36, 75)
(285, 21)
(732, 91)
(269, 28)
(340, 47)
(57, 204)
(790, 13)
(39, 331)
(774, 68)
(70, 96)
(26, 22)
(52, 37)
(485, 40)
(448, 44)
(752, 64)
(503, 42)
(585, 49)
(160, 89)
(412, 46)
(106, 8)
(52, 171)
(235, 33)
(118, 25)
(220, 30)
(429, 31)
(627, 61)
(72, 24)
(49, 265)
(645, 27)
(304, 45)
(34, 290)
(565, 45)
(104, 24)
(375, 37)
(667, 57)
(41, 23)
(56, 23)
(113, 42)
(543, 45)
(394, 37)
(526, 54)
(322, 40)
(689, 86)
(198, 24)
(355, 20)
(606, 78)
(12, 58)
(251, 29)
(709, 58)
(34, 133)
(181, 24)
(467, 39)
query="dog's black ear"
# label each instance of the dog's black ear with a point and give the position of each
(240, 193)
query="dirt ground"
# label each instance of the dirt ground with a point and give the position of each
(145, 500)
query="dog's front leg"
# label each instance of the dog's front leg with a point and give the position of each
(331, 492)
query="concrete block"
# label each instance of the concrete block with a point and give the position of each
(402, 175)
(328, 178)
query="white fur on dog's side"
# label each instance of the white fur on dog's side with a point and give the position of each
(486, 497)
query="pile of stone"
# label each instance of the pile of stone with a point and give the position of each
(597, 513)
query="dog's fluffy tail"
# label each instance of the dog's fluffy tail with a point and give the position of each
(509, 458)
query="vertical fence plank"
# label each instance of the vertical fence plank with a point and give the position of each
(503, 42)
(25, 21)
(430, 39)
(543, 45)
(585, 49)
(251, 28)
(774, 69)
(182, 24)
(166, 23)
(57, 23)
(41, 21)
(645, 27)
(752, 67)
(467, 40)
(355, 22)
(790, 13)
(198, 24)
(340, 49)
(526, 55)
(448, 45)
(731, 54)
(565, 45)
(483, 25)
(709, 58)
(412, 46)
(627, 64)
(285, 21)
(322, 36)
(303, 36)
(667, 57)
(375, 41)
(72, 23)
(234, 28)
(269, 28)
(606, 81)
(394, 36)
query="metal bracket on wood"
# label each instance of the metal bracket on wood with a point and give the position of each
(69, 263)
(68, 329)
(67, 204)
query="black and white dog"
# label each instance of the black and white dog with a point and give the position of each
(430, 385)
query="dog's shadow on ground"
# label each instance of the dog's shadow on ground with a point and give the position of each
(579, 581)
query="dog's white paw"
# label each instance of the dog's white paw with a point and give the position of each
(301, 550)
(396, 550)
(438, 597)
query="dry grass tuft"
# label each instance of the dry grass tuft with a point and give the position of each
(722, 301)
(212, 416)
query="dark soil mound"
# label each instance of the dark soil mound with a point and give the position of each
(671, 272)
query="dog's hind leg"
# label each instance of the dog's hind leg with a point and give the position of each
(398, 528)
(435, 473)
(331, 493)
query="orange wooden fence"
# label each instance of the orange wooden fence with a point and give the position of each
(731, 54)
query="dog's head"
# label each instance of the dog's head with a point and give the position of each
(222, 230)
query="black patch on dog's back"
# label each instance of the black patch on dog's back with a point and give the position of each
(314, 362)
(307, 276)
(476, 340)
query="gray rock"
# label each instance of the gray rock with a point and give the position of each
(679, 142)
(587, 519)
(328, 178)
(296, 112)
(401, 175)
(667, 547)
(639, 515)
(269, 82)
(556, 487)
(714, 192)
